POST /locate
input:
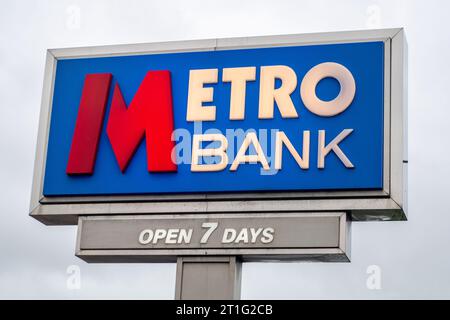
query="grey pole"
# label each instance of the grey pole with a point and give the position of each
(208, 278)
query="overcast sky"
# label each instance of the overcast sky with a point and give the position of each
(413, 256)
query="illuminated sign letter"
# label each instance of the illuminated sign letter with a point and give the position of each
(198, 152)
(333, 145)
(198, 94)
(268, 94)
(149, 114)
(238, 78)
(338, 104)
(282, 139)
(242, 157)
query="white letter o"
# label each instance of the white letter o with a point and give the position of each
(146, 236)
(338, 104)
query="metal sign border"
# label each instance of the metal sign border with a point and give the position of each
(386, 204)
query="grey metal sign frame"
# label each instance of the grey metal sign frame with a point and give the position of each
(386, 204)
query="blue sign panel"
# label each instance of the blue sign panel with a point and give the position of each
(273, 119)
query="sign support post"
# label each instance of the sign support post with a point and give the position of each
(207, 278)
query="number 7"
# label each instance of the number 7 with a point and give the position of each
(211, 227)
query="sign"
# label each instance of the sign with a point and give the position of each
(312, 236)
(225, 125)
(214, 152)
(305, 117)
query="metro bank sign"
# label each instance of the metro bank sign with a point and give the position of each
(295, 118)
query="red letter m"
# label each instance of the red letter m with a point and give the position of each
(149, 114)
